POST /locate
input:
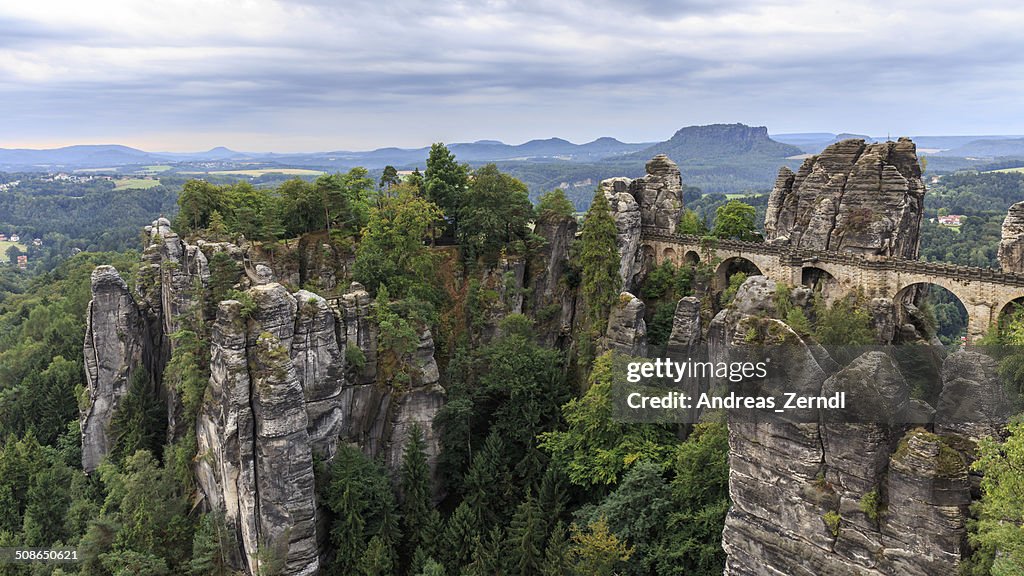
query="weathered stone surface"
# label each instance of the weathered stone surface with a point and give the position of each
(786, 477)
(755, 296)
(654, 201)
(928, 500)
(550, 300)
(883, 319)
(973, 403)
(686, 326)
(626, 212)
(853, 197)
(660, 195)
(254, 430)
(418, 406)
(627, 330)
(319, 360)
(1011, 245)
(114, 343)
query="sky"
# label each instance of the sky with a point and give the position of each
(319, 75)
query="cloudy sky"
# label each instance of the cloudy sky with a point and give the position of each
(308, 75)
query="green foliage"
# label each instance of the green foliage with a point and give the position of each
(554, 205)
(832, 520)
(41, 360)
(845, 323)
(377, 559)
(397, 338)
(735, 281)
(140, 422)
(872, 506)
(736, 220)
(596, 551)
(598, 257)
(445, 181)
(797, 320)
(355, 358)
(358, 493)
(143, 499)
(996, 535)
(187, 372)
(595, 450)
(248, 307)
(493, 214)
(659, 328)
(417, 504)
(224, 274)
(211, 544)
(691, 223)
(392, 250)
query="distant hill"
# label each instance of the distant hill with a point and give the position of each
(988, 148)
(77, 156)
(732, 142)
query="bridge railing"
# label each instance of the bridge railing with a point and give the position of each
(803, 256)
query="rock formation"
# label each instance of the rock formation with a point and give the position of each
(867, 496)
(114, 346)
(291, 375)
(551, 301)
(653, 202)
(627, 330)
(853, 197)
(1011, 245)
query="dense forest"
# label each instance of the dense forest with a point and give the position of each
(536, 477)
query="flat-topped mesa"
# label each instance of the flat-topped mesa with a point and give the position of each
(653, 202)
(853, 197)
(1011, 246)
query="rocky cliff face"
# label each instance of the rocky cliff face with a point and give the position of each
(114, 346)
(551, 300)
(853, 197)
(654, 202)
(872, 497)
(1011, 245)
(291, 375)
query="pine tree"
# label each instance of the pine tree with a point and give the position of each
(457, 541)
(552, 496)
(526, 538)
(445, 181)
(417, 520)
(488, 554)
(556, 556)
(599, 261)
(377, 559)
(489, 486)
(348, 535)
(211, 546)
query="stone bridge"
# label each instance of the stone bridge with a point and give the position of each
(985, 292)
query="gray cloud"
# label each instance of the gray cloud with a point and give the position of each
(323, 75)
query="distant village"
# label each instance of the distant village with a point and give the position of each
(952, 220)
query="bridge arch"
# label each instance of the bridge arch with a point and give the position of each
(731, 266)
(948, 309)
(691, 258)
(820, 280)
(669, 255)
(1007, 311)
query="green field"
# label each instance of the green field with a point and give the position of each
(154, 169)
(1017, 169)
(740, 195)
(5, 245)
(135, 184)
(260, 172)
